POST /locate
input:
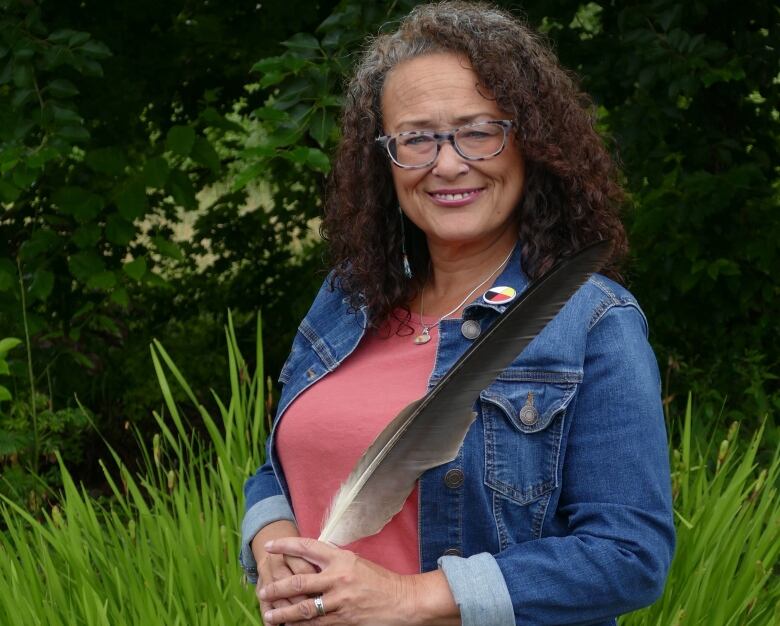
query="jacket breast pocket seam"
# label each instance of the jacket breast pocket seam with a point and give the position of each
(503, 536)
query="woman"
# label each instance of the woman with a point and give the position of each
(557, 510)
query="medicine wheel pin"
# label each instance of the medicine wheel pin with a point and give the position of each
(499, 295)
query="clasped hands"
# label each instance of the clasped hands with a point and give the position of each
(355, 591)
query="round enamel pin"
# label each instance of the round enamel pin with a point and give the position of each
(499, 295)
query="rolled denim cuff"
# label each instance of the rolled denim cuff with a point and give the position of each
(479, 590)
(265, 512)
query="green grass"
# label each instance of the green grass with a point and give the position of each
(164, 548)
(728, 535)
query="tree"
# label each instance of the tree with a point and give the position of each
(102, 150)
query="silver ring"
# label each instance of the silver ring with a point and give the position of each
(319, 605)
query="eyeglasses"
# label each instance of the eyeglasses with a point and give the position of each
(419, 148)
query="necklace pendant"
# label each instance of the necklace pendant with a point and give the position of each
(423, 337)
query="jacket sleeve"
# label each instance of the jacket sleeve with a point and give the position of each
(264, 503)
(615, 500)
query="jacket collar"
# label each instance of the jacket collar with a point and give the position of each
(333, 341)
(512, 276)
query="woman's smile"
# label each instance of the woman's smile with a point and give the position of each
(455, 197)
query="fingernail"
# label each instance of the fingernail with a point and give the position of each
(267, 616)
(263, 593)
(269, 545)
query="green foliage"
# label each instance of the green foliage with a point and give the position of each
(97, 167)
(689, 92)
(30, 443)
(164, 548)
(6, 344)
(756, 400)
(31, 435)
(72, 203)
(727, 512)
(300, 116)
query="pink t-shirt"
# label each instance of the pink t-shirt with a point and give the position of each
(330, 425)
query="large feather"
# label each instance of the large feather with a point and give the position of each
(430, 431)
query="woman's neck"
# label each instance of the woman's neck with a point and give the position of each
(456, 270)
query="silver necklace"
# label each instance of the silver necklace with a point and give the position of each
(425, 335)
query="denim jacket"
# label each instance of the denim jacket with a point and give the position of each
(557, 509)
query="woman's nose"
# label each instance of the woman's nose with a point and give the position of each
(449, 164)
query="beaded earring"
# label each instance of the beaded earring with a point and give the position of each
(407, 266)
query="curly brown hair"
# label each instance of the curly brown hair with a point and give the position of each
(572, 195)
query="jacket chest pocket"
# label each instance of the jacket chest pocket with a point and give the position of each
(523, 422)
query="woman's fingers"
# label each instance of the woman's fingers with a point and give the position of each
(274, 568)
(305, 611)
(295, 585)
(279, 603)
(313, 551)
(298, 565)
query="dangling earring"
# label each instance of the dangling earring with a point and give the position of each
(407, 267)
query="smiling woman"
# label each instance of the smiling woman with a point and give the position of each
(469, 164)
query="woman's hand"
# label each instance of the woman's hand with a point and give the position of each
(354, 591)
(273, 567)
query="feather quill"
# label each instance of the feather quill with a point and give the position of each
(429, 431)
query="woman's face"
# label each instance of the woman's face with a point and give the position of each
(454, 201)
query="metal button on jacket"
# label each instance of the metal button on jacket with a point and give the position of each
(454, 478)
(470, 329)
(528, 414)
(452, 552)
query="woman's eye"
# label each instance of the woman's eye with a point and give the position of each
(417, 140)
(476, 134)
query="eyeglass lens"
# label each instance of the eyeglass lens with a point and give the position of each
(475, 141)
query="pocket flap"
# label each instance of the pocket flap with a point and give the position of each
(531, 399)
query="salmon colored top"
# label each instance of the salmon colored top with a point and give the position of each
(330, 425)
